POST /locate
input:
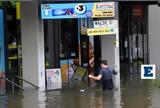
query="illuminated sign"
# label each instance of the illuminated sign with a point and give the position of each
(77, 10)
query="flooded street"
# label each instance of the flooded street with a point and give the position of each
(134, 93)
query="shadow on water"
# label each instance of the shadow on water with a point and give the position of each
(135, 93)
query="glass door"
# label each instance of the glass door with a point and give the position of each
(69, 52)
(133, 37)
(138, 36)
(61, 46)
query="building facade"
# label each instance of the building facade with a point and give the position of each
(58, 43)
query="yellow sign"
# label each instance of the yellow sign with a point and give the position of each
(104, 9)
(18, 10)
(100, 31)
(79, 73)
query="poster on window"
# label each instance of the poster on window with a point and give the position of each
(54, 80)
(83, 26)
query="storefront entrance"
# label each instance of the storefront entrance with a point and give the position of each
(61, 44)
(78, 36)
(67, 47)
(133, 37)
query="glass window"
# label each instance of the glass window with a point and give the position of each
(69, 39)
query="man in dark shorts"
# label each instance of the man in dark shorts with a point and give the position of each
(106, 75)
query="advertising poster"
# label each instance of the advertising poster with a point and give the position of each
(103, 27)
(54, 80)
(77, 10)
(2, 54)
(64, 70)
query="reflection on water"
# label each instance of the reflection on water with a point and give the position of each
(135, 93)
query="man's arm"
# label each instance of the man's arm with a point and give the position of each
(95, 77)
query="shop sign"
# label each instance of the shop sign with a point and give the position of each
(105, 23)
(54, 80)
(100, 31)
(103, 27)
(137, 12)
(77, 10)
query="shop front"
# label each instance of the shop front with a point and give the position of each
(75, 39)
(71, 35)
